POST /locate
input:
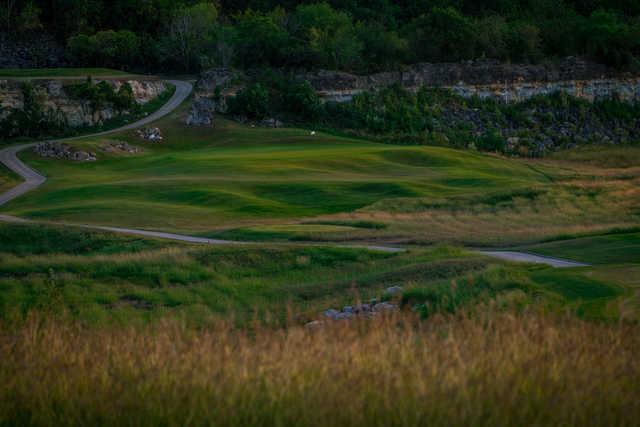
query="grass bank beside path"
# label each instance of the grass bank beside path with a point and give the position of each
(44, 73)
(8, 179)
(102, 278)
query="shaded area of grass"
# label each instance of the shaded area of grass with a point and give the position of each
(490, 368)
(615, 248)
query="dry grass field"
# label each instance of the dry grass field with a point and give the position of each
(487, 368)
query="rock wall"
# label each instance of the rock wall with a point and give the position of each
(488, 79)
(75, 112)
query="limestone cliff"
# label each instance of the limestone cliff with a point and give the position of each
(57, 100)
(488, 79)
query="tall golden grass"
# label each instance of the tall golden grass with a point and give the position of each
(489, 369)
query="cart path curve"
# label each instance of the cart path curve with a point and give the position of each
(33, 179)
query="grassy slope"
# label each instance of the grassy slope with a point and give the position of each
(616, 259)
(263, 184)
(61, 72)
(202, 180)
(102, 277)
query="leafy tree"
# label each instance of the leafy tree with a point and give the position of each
(301, 99)
(29, 19)
(253, 102)
(117, 49)
(444, 34)
(124, 99)
(261, 39)
(327, 36)
(382, 49)
(524, 42)
(492, 33)
(608, 38)
(190, 33)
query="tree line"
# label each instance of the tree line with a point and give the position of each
(351, 35)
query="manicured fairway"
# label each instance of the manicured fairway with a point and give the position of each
(203, 180)
(247, 183)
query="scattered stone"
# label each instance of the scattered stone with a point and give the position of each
(58, 150)
(150, 134)
(394, 290)
(331, 313)
(271, 123)
(384, 307)
(359, 311)
(119, 147)
(313, 325)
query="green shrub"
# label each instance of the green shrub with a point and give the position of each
(301, 99)
(253, 102)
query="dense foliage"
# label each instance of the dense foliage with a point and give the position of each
(435, 116)
(354, 35)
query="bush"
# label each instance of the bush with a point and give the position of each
(102, 93)
(115, 49)
(491, 141)
(301, 99)
(253, 102)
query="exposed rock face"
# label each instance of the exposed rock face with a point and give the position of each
(58, 150)
(211, 92)
(74, 112)
(488, 79)
(202, 111)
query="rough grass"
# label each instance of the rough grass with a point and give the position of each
(488, 369)
(104, 278)
(8, 179)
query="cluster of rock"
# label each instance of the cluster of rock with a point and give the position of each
(119, 147)
(151, 134)
(70, 110)
(34, 50)
(361, 311)
(58, 150)
(487, 79)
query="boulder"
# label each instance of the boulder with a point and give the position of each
(202, 111)
(152, 134)
(394, 290)
(58, 150)
(116, 147)
(271, 123)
